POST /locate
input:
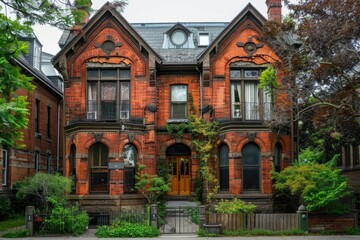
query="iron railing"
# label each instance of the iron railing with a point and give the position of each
(244, 111)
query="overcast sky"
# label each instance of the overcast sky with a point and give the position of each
(164, 11)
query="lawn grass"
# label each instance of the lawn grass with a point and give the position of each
(11, 223)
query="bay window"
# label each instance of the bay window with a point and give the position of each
(248, 101)
(108, 93)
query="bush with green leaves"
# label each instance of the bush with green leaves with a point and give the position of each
(235, 206)
(320, 187)
(152, 187)
(128, 230)
(65, 219)
(5, 208)
(43, 186)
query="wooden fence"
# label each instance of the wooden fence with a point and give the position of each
(273, 221)
(229, 222)
(269, 221)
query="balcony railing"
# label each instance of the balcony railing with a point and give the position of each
(247, 111)
(105, 112)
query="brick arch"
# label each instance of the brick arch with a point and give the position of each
(257, 141)
(171, 142)
(90, 142)
(136, 143)
(225, 141)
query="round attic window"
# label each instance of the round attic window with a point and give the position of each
(178, 37)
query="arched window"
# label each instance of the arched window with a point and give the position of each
(251, 167)
(73, 166)
(224, 167)
(130, 157)
(99, 179)
(277, 157)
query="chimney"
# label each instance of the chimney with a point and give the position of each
(274, 10)
(83, 9)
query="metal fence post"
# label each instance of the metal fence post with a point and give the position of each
(201, 216)
(29, 219)
(153, 215)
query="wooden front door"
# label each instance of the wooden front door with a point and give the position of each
(180, 175)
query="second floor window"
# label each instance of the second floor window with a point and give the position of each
(108, 92)
(179, 101)
(37, 116)
(248, 102)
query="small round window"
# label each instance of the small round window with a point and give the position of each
(178, 37)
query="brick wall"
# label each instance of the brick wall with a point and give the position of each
(318, 222)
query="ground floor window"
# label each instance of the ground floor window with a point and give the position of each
(5, 170)
(224, 167)
(130, 155)
(99, 173)
(251, 167)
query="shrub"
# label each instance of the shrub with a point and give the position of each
(203, 233)
(320, 187)
(5, 208)
(235, 206)
(16, 234)
(66, 220)
(352, 230)
(129, 230)
(43, 186)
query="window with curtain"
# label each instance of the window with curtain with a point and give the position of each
(108, 94)
(130, 155)
(248, 102)
(179, 100)
(99, 179)
(251, 167)
(224, 167)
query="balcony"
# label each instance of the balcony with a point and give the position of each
(105, 112)
(244, 112)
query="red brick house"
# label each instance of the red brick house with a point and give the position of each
(124, 82)
(43, 137)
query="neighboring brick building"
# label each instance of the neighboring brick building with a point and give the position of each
(43, 136)
(123, 84)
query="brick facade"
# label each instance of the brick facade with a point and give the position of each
(48, 143)
(153, 72)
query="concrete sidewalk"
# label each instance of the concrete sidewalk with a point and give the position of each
(90, 234)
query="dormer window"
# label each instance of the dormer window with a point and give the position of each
(204, 39)
(178, 37)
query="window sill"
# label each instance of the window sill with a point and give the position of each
(173, 120)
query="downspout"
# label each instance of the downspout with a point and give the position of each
(201, 91)
(58, 137)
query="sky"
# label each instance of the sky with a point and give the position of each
(146, 11)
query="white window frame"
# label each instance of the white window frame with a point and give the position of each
(204, 39)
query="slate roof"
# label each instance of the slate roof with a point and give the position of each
(155, 37)
(153, 34)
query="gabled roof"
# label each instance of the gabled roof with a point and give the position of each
(248, 12)
(106, 11)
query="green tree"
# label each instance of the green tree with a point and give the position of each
(13, 108)
(42, 187)
(319, 48)
(320, 187)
